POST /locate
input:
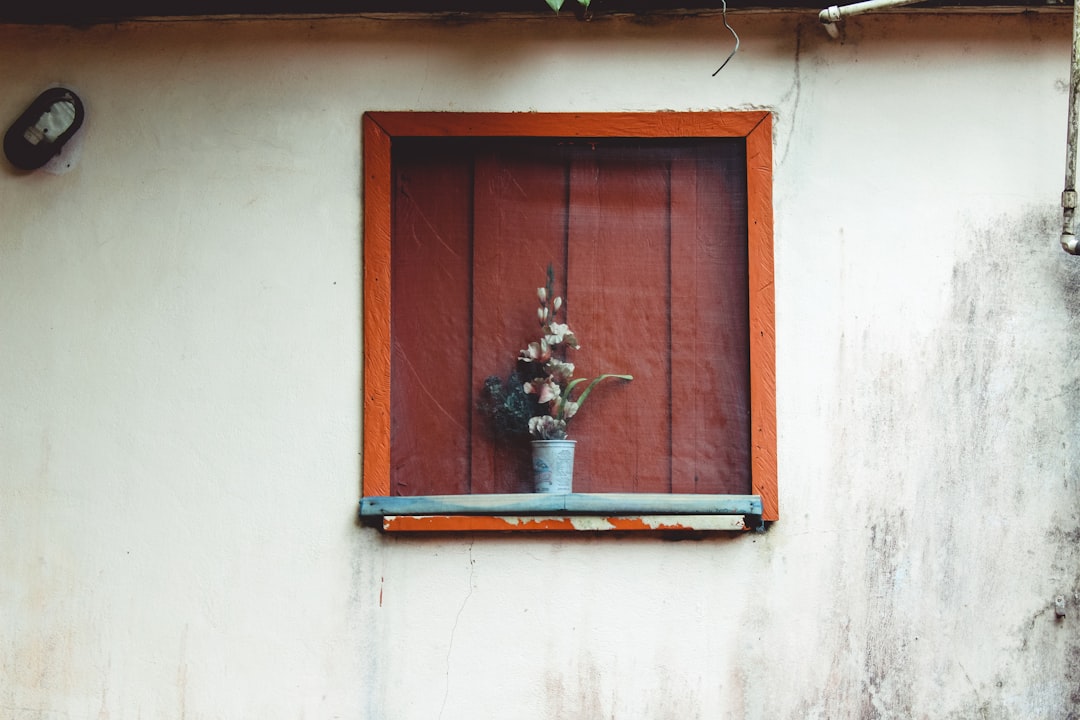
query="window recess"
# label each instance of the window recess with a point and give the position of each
(659, 227)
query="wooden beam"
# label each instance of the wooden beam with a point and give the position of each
(573, 503)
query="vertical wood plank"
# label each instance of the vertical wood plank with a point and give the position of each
(431, 261)
(376, 311)
(617, 303)
(710, 399)
(762, 316)
(519, 227)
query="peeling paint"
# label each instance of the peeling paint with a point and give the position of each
(575, 523)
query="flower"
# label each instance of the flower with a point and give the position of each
(546, 389)
(545, 427)
(559, 333)
(558, 370)
(536, 352)
(541, 395)
(569, 408)
(552, 375)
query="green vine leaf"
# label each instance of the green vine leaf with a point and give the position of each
(555, 5)
(594, 383)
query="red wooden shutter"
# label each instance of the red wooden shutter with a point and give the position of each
(649, 245)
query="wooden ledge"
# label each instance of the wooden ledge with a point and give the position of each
(575, 512)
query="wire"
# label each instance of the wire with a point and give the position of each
(734, 34)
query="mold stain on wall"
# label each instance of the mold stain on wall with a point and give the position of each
(971, 522)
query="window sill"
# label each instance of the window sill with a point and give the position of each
(576, 512)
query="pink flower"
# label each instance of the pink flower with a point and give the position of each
(544, 388)
(536, 352)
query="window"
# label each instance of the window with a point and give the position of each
(659, 229)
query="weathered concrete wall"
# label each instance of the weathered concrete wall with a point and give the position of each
(179, 345)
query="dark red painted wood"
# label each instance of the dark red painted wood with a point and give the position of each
(637, 229)
(618, 303)
(709, 319)
(519, 221)
(430, 398)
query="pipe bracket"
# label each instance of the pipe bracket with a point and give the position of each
(830, 15)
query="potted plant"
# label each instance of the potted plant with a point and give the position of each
(538, 398)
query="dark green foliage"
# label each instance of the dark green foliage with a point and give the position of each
(507, 405)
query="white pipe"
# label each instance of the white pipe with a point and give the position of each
(834, 14)
(1068, 196)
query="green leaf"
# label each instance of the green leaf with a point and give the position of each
(573, 384)
(594, 383)
(584, 3)
(555, 4)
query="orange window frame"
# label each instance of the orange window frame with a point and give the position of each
(379, 131)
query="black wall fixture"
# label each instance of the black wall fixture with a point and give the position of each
(43, 128)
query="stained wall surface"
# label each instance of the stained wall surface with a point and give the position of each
(180, 387)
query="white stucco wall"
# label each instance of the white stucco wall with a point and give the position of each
(179, 388)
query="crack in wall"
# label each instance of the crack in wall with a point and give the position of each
(453, 630)
(795, 90)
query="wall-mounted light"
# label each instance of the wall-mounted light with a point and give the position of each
(43, 128)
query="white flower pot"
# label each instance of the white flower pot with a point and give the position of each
(553, 466)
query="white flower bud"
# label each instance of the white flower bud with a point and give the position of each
(556, 303)
(541, 294)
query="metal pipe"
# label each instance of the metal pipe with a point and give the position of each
(834, 14)
(1068, 195)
